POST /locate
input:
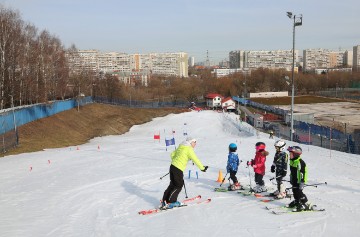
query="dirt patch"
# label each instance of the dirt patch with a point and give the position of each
(74, 127)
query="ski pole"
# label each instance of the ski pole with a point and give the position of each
(275, 177)
(223, 179)
(186, 196)
(250, 178)
(164, 175)
(315, 185)
(310, 185)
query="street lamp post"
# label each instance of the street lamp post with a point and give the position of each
(297, 22)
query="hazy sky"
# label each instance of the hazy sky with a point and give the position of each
(194, 26)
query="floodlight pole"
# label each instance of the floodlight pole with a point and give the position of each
(295, 23)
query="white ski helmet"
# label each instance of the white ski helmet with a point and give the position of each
(280, 145)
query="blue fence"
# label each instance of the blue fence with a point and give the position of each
(18, 116)
(321, 131)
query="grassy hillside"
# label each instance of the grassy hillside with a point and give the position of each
(71, 127)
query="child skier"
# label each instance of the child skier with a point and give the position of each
(258, 163)
(298, 178)
(279, 167)
(232, 166)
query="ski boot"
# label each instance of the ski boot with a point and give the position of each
(174, 204)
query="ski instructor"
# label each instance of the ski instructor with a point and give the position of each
(179, 159)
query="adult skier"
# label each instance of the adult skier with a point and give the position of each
(179, 159)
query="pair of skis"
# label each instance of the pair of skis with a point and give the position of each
(185, 203)
(287, 210)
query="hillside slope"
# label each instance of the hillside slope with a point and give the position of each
(74, 127)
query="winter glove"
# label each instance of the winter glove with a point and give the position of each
(301, 186)
(273, 169)
(254, 166)
(205, 168)
(250, 163)
(284, 173)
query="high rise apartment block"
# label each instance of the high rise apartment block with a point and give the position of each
(325, 59)
(121, 64)
(356, 58)
(234, 59)
(271, 59)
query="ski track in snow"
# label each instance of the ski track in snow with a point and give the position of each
(97, 189)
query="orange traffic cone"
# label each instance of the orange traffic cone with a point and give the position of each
(220, 177)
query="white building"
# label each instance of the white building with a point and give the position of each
(222, 72)
(213, 100)
(348, 58)
(191, 61)
(324, 58)
(271, 59)
(167, 64)
(228, 104)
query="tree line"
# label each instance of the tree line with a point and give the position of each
(35, 67)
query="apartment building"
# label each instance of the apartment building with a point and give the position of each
(348, 58)
(167, 64)
(110, 62)
(325, 59)
(234, 59)
(316, 58)
(272, 59)
(356, 58)
(83, 60)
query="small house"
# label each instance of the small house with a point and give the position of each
(228, 104)
(213, 100)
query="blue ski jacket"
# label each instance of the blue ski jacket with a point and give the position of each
(233, 162)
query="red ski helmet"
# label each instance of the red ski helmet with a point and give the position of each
(259, 146)
(296, 150)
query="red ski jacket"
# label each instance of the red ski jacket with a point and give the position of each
(259, 162)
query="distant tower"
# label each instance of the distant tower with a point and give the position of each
(207, 63)
(191, 61)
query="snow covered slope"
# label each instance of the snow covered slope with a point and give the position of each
(98, 188)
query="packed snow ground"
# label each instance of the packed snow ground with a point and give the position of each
(98, 188)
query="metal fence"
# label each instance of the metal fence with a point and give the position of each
(307, 133)
(11, 119)
(140, 104)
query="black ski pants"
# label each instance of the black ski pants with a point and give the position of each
(176, 183)
(299, 196)
(259, 179)
(233, 176)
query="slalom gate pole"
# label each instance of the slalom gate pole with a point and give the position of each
(223, 179)
(186, 196)
(164, 175)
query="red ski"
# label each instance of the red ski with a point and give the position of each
(186, 202)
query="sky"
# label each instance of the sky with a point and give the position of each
(98, 188)
(194, 26)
